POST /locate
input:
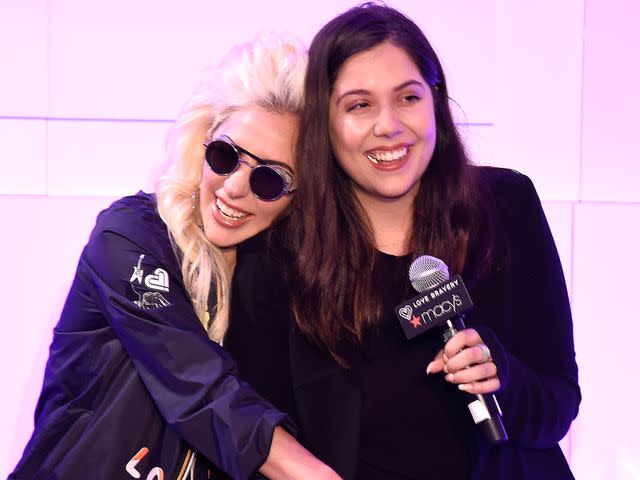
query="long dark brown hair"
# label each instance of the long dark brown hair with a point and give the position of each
(330, 235)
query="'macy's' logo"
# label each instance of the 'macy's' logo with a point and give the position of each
(448, 306)
(433, 307)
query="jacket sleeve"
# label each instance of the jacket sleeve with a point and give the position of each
(534, 353)
(191, 379)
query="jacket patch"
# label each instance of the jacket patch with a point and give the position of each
(158, 281)
(147, 288)
(157, 473)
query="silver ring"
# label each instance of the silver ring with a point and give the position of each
(486, 353)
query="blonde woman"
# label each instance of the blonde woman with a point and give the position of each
(137, 384)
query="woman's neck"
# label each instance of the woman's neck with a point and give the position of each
(229, 254)
(391, 221)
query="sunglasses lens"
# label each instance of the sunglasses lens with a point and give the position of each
(221, 157)
(266, 183)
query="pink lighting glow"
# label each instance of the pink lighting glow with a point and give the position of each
(548, 88)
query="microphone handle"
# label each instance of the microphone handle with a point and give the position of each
(484, 409)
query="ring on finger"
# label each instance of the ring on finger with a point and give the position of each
(486, 353)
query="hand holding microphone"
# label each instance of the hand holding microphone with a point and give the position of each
(465, 359)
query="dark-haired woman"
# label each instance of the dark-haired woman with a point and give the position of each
(383, 179)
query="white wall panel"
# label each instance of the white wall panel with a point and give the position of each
(41, 248)
(104, 158)
(539, 92)
(23, 157)
(23, 56)
(479, 141)
(140, 59)
(611, 162)
(605, 296)
(514, 68)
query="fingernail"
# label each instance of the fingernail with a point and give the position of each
(464, 387)
(429, 367)
(449, 377)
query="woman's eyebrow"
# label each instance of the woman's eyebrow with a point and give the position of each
(409, 83)
(257, 157)
(263, 161)
(362, 91)
(359, 91)
(279, 164)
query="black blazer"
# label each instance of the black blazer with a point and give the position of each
(521, 311)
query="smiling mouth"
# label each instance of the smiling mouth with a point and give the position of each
(228, 212)
(381, 157)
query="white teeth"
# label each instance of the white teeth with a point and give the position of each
(387, 156)
(227, 211)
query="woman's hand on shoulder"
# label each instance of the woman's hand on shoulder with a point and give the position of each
(466, 361)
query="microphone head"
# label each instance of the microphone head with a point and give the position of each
(426, 272)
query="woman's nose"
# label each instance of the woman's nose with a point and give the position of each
(237, 184)
(388, 122)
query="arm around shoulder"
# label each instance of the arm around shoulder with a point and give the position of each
(288, 459)
(137, 286)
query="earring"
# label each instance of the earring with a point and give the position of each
(194, 206)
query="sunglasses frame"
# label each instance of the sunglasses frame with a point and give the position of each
(285, 174)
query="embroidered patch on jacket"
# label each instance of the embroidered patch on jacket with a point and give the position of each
(157, 473)
(148, 288)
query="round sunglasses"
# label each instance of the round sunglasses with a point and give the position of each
(267, 181)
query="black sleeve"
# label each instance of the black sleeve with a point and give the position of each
(534, 348)
(191, 379)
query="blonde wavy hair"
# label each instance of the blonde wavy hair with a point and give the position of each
(268, 73)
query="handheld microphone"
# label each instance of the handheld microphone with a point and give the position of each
(442, 302)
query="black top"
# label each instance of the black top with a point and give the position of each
(385, 418)
(412, 425)
(398, 399)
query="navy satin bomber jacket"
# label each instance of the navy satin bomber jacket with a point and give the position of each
(133, 386)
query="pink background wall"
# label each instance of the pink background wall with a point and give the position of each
(550, 88)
